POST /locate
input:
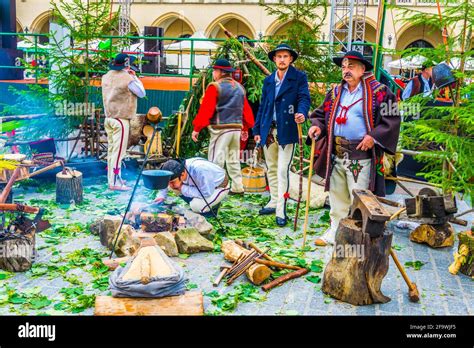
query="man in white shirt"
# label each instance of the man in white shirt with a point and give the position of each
(200, 183)
(420, 84)
(120, 90)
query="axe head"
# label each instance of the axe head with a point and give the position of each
(38, 224)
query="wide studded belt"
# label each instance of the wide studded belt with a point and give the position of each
(344, 148)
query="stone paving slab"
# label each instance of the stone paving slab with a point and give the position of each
(441, 292)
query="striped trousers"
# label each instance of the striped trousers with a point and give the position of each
(117, 130)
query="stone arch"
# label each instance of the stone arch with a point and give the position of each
(410, 33)
(174, 24)
(370, 29)
(235, 23)
(41, 23)
(278, 28)
(19, 26)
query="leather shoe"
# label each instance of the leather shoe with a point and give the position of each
(267, 211)
(232, 193)
(320, 242)
(281, 221)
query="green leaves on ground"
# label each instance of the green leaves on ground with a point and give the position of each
(241, 293)
(75, 301)
(415, 264)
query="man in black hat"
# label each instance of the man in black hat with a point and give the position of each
(199, 182)
(422, 83)
(228, 116)
(284, 103)
(359, 120)
(120, 90)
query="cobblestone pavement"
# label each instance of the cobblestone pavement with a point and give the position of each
(441, 292)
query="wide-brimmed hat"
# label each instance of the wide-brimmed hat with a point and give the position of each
(223, 64)
(283, 47)
(121, 61)
(356, 56)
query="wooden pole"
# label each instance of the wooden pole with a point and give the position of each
(308, 195)
(284, 278)
(178, 135)
(247, 52)
(300, 192)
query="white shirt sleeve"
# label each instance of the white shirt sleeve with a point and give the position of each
(136, 87)
(407, 90)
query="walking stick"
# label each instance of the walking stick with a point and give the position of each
(300, 192)
(308, 196)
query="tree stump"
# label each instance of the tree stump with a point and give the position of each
(17, 253)
(256, 273)
(464, 258)
(358, 265)
(69, 187)
(436, 236)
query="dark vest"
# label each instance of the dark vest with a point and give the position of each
(419, 85)
(230, 104)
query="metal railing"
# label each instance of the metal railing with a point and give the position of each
(193, 51)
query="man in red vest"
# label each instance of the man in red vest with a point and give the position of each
(228, 116)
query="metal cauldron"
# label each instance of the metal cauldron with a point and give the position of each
(156, 179)
(442, 75)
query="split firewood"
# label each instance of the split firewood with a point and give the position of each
(256, 273)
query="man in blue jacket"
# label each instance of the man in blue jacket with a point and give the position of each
(285, 102)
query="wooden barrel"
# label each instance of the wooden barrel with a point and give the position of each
(254, 179)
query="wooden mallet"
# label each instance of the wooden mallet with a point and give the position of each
(413, 293)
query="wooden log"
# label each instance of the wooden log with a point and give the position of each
(191, 303)
(466, 247)
(358, 265)
(256, 273)
(436, 236)
(17, 253)
(69, 187)
(467, 239)
(284, 278)
(156, 222)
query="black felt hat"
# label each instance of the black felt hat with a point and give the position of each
(356, 55)
(283, 47)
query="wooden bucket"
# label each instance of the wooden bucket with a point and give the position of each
(254, 179)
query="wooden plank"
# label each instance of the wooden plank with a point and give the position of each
(191, 303)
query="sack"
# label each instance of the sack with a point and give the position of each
(148, 274)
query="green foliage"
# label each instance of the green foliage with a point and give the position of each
(416, 265)
(445, 135)
(229, 301)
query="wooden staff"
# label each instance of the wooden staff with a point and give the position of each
(178, 133)
(300, 192)
(247, 52)
(308, 196)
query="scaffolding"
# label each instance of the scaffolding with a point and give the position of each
(347, 25)
(124, 19)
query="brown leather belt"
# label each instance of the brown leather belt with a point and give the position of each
(344, 148)
(224, 183)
